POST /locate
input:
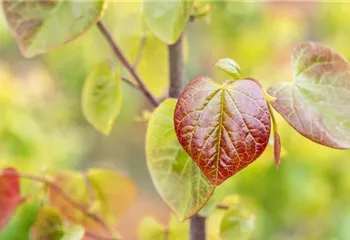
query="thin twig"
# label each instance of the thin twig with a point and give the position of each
(131, 83)
(69, 200)
(139, 53)
(117, 51)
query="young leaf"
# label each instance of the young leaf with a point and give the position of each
(10, 196)
(40, 26)
(19, 226)
(230, 67)
(48, 225)
(108, 195)
(316, 104)
(167, 20)
(223, 128)
(177, 178)
(101, 97)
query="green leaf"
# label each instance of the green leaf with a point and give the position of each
(316, 104)
(224, 127)
(102, 191)
(237, 223)
(19, 226)
(48, 225)
(150, 229)
(167, 20)
(177, 178)
(102, 96)
(40, 26)
(74, 233)
(230, 67)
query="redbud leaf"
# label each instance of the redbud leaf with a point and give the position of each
(176, 177)
(101, 96)
(104, 192)
(230, 67)
(167, 20)
(40, 26)
(316, 104)
(224, 127)
(10, 196)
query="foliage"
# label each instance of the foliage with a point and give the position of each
(193, 144)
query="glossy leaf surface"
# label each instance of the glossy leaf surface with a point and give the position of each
(102, 191)
(177, 178)
(316, 104)
(10, 196)
(167, 20)
(223, 128)
(101, 97)
(40, 26)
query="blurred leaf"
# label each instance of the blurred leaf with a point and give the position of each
(48, 225)
(40, 26)
(224, 128)
(167, 20)
(178, 230)
(176, 177)
(74, 233)
(237, 224)
(19, 226)
(150, 229)
(230, 67)
(102, 191)
(101, 97)
(10, 196)
(155, 53)
(316, 104)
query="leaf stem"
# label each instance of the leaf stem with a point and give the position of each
(69, 200)
(119, 54)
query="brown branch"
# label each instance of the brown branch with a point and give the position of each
(119, 54)
(69, 200)
(132, 84)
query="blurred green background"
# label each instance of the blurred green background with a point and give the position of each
(42, 127)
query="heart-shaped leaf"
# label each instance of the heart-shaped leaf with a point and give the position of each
(101, 191)
(10, 196)
(167, 20)
(101, 97)
(40, 26)
(177, 178)
(223, 128)
(316, 104)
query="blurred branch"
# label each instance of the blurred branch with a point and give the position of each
(119, 54)
(139, 53)
(71, 201)
(130, 83)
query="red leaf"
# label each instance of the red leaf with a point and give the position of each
(9, 194)
(277, 148)
(223, 128)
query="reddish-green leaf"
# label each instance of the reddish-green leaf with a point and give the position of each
(10, 196)
(224, 127)
(40, 26)
(316, 104)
